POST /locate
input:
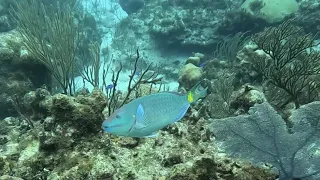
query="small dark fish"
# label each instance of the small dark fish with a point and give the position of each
(11, 172)
(177, 62)
(137, 73)
(202, 64)
(110, 86)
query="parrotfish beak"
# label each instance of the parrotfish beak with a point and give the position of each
(110, 126)
(105, 127)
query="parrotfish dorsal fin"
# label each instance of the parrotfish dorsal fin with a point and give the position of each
(140, 122)
(176, 93)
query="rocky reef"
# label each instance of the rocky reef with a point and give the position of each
(200, 25)
(53, 136)
(7, 22)
(67, 143)
(20, 72)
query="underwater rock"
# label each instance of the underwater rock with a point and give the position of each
(189, 75)
(211, 68)
(199, 55)
(4, 24)
(172, 160)
(71, 118)
(237, 20)
(185, 25)
(6, 20)
(245, 72)
(63, 118)
(219, 168)
(48, 123)
(4, 130)
(272, 11)
(247, 97)
(2, 164)
(59, 151)
(3, 140)
(48, 142)
(131, 6)
(193, 60)
(202, 168)
(308, 16)
(20, 73)
(30, 151)
(247, 53)
(36, 102)
(7, 177)
(83, 113)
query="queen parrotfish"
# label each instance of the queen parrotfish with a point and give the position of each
(144, 116)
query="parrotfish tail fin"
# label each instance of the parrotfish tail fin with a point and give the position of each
(197, 92)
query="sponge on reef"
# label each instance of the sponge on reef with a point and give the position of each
(189, 75)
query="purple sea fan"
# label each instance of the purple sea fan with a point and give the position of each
(263, 137)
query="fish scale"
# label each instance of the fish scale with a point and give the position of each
(160, 111)
(164, 106)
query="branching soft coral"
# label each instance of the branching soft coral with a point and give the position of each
(291, 64)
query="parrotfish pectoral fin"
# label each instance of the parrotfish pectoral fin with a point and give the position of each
(140, 113)
(153, 135)
(140, 117)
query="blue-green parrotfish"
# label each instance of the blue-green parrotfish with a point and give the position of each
(144, 116)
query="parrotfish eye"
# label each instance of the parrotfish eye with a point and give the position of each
(203, 84)
(118, 116)
(199, 89)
